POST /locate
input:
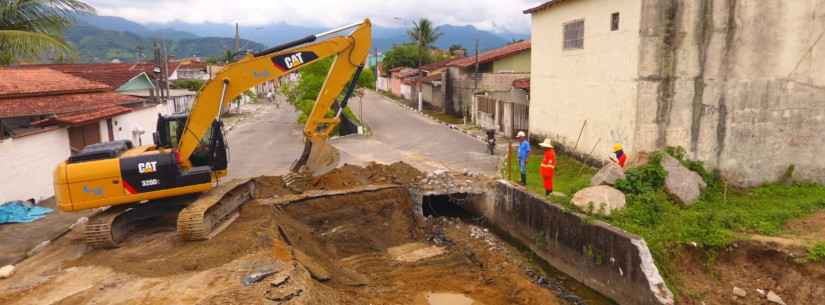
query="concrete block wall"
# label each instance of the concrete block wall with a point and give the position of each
(29, 163)
(606, 259)
(737, 83)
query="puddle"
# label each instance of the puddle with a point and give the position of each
(448, 298)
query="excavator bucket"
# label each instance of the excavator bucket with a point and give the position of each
(317, 159)
(322, 157)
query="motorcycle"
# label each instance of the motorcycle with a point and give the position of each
(491, 141)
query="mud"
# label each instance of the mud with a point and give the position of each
(749, 265)
(345, 177)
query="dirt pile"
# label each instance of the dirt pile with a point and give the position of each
(752, 267)
(154, 250)
(346, 177)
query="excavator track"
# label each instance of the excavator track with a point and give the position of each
(215, 210)
(110, 227)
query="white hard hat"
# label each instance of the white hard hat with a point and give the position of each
(521, 134)
(547, 143)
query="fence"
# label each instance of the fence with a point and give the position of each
(505, 117)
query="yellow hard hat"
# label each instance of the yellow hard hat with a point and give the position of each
(617, 147)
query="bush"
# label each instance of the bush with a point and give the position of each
(189, 84)
(644, 179)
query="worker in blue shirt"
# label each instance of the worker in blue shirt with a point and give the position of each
(523, 154)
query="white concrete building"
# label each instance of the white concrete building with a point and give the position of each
(738, 84)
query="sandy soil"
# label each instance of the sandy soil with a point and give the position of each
(751, 265)
(331, 250)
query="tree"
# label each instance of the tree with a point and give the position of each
(454, 48)
(405, 55)
(424, 35)
(30, 29)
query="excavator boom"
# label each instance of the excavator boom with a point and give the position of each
(350, 54)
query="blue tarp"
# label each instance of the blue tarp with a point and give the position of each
(21, 211)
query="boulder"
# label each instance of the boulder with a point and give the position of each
(6, 271)
(604, 199)
(681, 183)
(608, 175)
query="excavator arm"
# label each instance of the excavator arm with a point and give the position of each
(350, 53)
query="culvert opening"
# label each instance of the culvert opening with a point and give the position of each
(446, 205)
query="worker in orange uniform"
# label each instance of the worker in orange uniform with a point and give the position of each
(548, 166)
(619, 157)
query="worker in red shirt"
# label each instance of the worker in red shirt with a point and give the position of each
(548, 166)
(619, 157)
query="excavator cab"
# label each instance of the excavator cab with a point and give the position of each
(212, 150)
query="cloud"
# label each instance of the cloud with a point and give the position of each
(495, 15)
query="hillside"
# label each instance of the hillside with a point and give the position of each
(97, 45)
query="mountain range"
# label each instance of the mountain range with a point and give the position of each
(103, 38)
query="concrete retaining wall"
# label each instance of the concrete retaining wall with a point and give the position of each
(607, 259)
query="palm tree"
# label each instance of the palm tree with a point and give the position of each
(424, 35)
(30, 29)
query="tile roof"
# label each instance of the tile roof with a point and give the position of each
(543, 6)
(67, 99)
(85, 116)
(492, 55)
(22, 82)
(112, 74)
(523, 83)
(193, 65)
(407, 72)
(438, 65)
(60, 104)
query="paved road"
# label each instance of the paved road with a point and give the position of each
(269, 141)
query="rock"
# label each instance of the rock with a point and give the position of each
(608, 175)
(682, 183)
(42, 245)
(604, 199)
(6, 271)
(774, 298)
(739, 292)
(760, 292)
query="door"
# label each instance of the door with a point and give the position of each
(81, 136)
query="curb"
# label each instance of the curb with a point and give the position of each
(431, 118)
(481, 139)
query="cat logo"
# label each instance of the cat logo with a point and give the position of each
(294, 60)
(291, 61)
(148, 167)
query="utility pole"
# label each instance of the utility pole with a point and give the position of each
(237, 38)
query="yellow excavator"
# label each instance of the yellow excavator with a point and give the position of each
(181, 174)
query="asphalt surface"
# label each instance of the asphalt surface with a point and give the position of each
(269, 140)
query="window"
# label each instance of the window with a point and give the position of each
(574, 35)
(614, 22)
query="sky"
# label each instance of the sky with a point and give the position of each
(502, 16)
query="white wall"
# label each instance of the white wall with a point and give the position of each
(29, 162)
(596, 83)
(140, 119)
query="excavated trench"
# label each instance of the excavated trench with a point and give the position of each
(352, 239)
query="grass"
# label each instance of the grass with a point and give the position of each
(570, 176)
(721, 216)
(817, 252)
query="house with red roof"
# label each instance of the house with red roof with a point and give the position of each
(45, 115)
(490, 73)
